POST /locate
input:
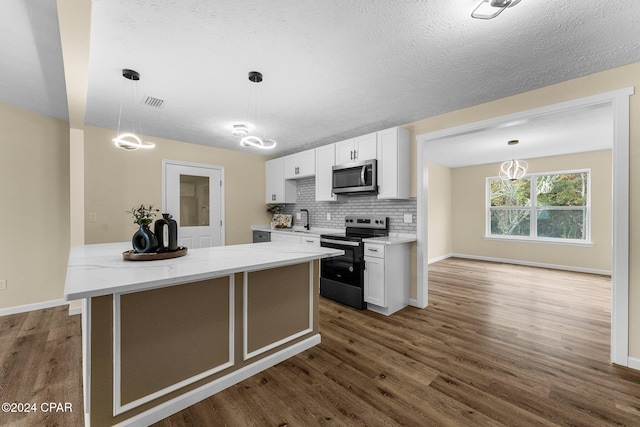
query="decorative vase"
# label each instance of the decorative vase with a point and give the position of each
(144, 241)
(173, 232)
(166, 231)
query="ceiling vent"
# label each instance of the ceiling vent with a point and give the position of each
(150, 101)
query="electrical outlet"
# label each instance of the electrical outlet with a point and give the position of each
(328, 217)
(3, 284)
(408, 218)
(298, 215)
(93, 217)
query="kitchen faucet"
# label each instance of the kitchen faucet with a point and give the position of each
(306, 225)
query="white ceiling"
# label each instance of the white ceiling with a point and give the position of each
(570, 131)
(332, 69)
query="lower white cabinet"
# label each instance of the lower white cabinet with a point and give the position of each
(297, 238)
(289, 237)
(386, 277)
(310, 240)
(374, 289)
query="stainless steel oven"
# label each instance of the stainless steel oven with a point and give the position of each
(342, 277)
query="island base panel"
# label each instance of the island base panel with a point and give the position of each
(156, 317)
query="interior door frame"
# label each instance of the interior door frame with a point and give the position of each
(166, 162)
(619, 99)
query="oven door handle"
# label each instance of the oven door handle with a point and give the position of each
(340, 242)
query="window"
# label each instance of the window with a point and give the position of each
(546, 207)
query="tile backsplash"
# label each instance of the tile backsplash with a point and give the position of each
(351, 205)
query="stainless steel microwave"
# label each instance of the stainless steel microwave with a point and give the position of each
(356, 177)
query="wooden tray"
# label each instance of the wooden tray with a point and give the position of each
(131, 255)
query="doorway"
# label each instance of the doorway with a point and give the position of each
(619, 101)
(194, 195)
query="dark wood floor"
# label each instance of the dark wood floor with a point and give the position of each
(41, 362)
(498, 345)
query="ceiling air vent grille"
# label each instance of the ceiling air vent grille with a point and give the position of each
(150, 101)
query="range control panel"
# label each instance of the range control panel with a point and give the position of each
(367, 221)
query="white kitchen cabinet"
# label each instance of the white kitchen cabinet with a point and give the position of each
(386, 277)
(325, 160)
(289, 237)
(300, 165)
(278, 189)
(356, 149)
(295, 238)
(374, 289)
(310, 240)
(393, 163)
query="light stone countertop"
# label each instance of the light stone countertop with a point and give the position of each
(99, 269)
(392, 239)
(315, 231)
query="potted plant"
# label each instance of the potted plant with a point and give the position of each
(144, 241)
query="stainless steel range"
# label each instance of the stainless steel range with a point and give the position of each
(342, 277)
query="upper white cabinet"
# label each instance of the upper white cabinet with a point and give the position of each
(356, 149)
(300, 165)
(325, 160)
(278, 189)
(393, 163)
(390, 147)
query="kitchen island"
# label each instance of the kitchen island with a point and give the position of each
(159, 336)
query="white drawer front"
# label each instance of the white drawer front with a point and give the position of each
(374, 250)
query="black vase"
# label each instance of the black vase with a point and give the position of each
(173, 232)
(166, 230)
(144, 241)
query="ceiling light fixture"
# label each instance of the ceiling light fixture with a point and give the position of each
(127, 140)
(489, 9)
(240, 130)
(513, 169)
(252, 140)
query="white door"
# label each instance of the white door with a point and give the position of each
(193, 195)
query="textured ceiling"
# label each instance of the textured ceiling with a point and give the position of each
(565, 132)
(332, 69)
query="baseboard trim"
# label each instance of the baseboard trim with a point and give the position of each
(440, 258)
(32, 307)
(75, 307)
(533, 264)
(633, 363)
(184, 401)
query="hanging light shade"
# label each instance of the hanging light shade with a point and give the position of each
(254, 140)
(489, 9)
(513, 169)
(128, 140)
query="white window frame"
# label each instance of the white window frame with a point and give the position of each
(533, 208)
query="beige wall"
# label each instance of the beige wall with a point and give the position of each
(627, 76)
(34, 206)
(116, 180)
(469, 215)
(439, 208)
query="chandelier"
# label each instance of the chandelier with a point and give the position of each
(241, 130)
(128, 140)
(513, 169)
(488, 9)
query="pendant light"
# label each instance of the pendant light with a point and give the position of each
(489, 9)
(253, 140)
(513, 170)
(128, 140)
